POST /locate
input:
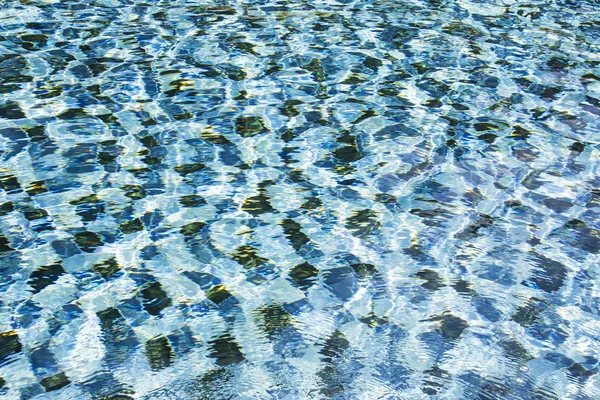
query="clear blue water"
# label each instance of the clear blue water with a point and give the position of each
(299, 199)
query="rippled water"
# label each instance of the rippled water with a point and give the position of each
(299, 199)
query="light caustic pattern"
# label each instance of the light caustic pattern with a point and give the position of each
(299, 199)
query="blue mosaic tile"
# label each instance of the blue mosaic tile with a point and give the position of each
(354, 199)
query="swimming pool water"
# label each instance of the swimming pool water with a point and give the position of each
(349, 199)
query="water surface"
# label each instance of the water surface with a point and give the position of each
(299, 199)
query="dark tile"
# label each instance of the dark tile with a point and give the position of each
(9, 346)
(55, 382)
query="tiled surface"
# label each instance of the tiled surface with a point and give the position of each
(299, 200)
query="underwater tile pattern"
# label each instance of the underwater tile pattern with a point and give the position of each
(349, 199)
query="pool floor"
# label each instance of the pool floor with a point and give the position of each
(349, 199)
